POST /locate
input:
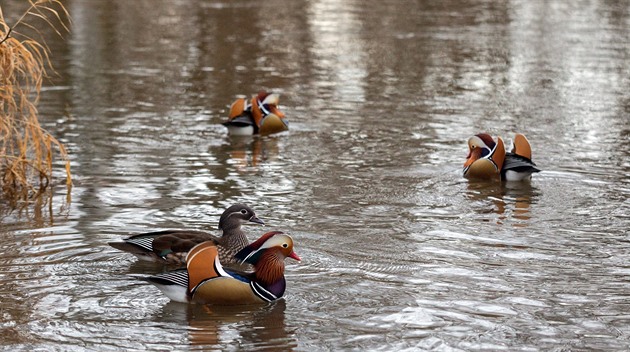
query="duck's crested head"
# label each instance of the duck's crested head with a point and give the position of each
(479, 146)
(274, 241)
(481, 140)
(269, 103)
(236, 215)
(485, 157)
(267, 98)
(267, 255)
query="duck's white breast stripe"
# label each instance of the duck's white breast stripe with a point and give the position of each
(262, 293)
(262, 108)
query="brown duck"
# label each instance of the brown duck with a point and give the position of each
(171, 246)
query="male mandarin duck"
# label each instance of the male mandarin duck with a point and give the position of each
(259, 115)
(487, 159)
(171, 246)
(205, 281)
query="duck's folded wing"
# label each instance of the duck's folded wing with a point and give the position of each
(522, 146)
(176, 277)
(240, 121)
(519, 164)
(174, 284)
(159, 244)
(180, 241)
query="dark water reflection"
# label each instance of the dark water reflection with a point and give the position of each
(399, 251)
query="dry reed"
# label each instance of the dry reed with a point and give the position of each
(26, 149)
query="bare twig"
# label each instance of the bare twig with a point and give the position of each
(7, 36)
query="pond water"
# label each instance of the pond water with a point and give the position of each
(399, 251)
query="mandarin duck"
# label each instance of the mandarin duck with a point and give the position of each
(171, 246)
(259, 115)
(205, 281)
(487, 159)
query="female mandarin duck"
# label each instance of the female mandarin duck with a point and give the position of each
(171, 246)
(260, 115)
(487, 159)
(205, 281)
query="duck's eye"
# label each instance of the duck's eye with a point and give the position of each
(472, 147)
(243, 211)
(285, 245)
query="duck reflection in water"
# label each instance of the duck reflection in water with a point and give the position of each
(249, 152)
(249, 327)
(508, 199)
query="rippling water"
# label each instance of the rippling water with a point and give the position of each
(399, 251)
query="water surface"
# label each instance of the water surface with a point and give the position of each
(399, 251)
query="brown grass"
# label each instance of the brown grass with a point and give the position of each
(26, 149)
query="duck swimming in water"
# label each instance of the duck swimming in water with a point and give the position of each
(259, 115)
(488, 159)
(171, 246)
(205, 281)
